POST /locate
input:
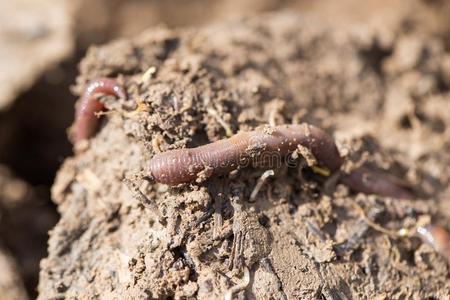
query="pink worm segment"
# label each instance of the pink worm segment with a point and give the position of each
(258, 147)
(367, 181)
(86, 122)
(437, 237)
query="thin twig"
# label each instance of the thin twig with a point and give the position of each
(260, 183)
(372, 223)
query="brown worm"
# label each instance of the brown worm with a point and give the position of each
(267, 147)
(367, 181)
(264, 146)
(86, 121)
(437, 237)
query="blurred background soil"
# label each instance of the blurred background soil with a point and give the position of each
(42, 42)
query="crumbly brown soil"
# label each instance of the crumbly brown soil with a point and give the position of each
(383, 93)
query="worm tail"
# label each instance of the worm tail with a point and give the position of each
(367, 181)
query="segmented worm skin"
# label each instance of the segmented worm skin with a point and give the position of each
(86, 121)
(184, 165)
(368, 181)
(437, 237)
(256, 147)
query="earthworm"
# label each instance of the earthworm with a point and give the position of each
(86, 121)
(266, 146)
(437, 237)
(368, 181)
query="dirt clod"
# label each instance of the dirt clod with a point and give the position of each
(297, 239)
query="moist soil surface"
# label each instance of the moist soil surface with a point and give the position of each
(382, 93)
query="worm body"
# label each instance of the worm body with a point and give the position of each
(267, 147)
(437, 237)
(86, 121)
(368, 181)
(262, 147)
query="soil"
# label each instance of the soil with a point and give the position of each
(383, 92)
